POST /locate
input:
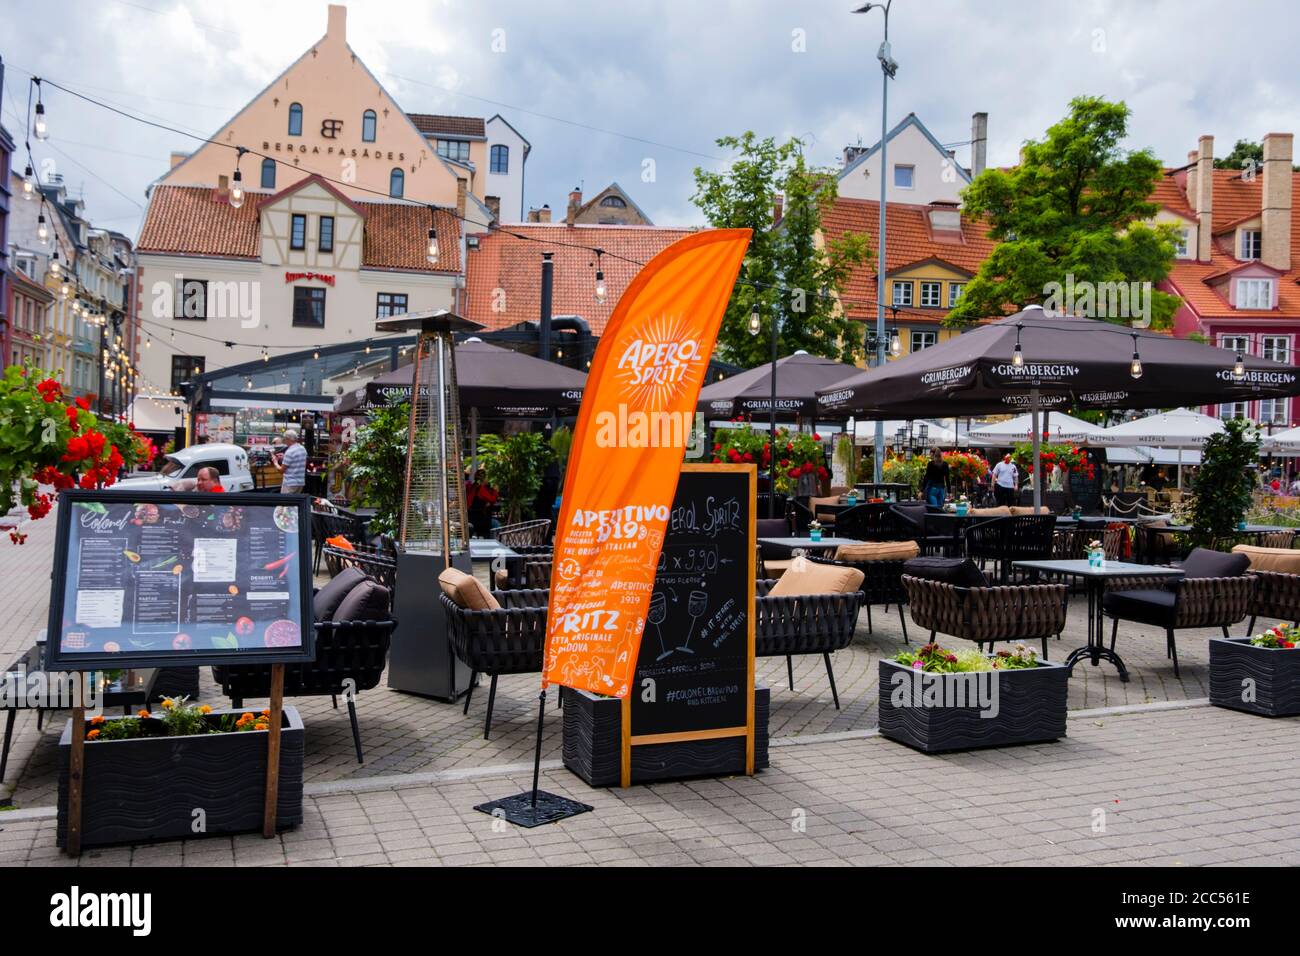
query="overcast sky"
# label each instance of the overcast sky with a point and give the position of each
(600, 87)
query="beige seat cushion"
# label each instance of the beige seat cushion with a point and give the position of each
(814, 502)
(467, 590)
(825, 518)
(1285, 560)
(1029, 509)
(777, 566)
(877, 551)
(1003, 511)
(810, 577)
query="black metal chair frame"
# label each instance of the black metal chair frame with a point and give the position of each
(882, 583)
(1007, 539)
(327, 524)
(804, 624)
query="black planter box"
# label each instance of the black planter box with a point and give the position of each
(984, 709)
(1275, 671)
(593, 740)
(135, 791)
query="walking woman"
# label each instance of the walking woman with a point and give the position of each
(934, 487)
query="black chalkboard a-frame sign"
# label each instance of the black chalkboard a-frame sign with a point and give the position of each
(695, 672)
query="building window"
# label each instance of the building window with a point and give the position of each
(457, 149)
(1232, 410)
(396, 183)
(326, 238)
(924, 340)
(268, 173)
(902, 293)
(1254, 293)
(905, 177)
(309, 308)
(295, 119)
(298, 232)
(183, 370)
(931, 295)
(1183, 243)
(501, 159)
(614, 202)
(368, 121)
(1272, 411)
(1275, 347)
(1251, 243)
(954, 293)
(191, 299)
(389, 304)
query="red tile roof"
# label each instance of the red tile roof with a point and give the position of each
(436, 125)
(192, 221)
(514, 265)
(909, 241)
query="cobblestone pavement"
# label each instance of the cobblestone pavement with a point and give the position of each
(407, 735)
(1188, 786)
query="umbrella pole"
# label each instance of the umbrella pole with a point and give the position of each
(1180, 467)
(473, 441)
(1038, 447)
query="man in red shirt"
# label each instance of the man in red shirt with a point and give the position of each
(208, 480)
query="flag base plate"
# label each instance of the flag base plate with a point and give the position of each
(520, 810)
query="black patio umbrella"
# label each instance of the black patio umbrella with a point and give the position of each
(1032, 361)
(492, 380)
(798, 378)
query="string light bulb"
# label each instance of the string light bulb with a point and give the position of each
(895, 345)
(29, 183)
(39, 127)
(1135, 367)
(65, 289)
(1018, 356)
(1239, 366)
(755, 320)
(55, 265)
(316, 354)
(42, 230)
(600, 278)
(236, 195)
(431, 253)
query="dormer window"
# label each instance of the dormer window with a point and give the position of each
(613, 202)
(1254, 293)
(1252, 241)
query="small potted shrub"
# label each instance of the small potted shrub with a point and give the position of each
(184, 772)
(935, 699)
(1260, 674)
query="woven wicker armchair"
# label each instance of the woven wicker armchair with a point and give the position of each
(882, 583)
(987, 615)
(524, 533)
(1179, 603)
(350, 657)
(512, 572)
(808, 624)
(328, 524)
(1277, 595)
(506, 640)
(1069, 544)
(874, 521)
(371, 561)
(1017, 538)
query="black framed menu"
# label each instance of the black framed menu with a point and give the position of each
(155, 579)
(695, 670)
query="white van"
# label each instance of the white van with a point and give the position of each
(181, 468)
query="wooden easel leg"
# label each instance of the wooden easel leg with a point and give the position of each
(273, 751)
(76, 776)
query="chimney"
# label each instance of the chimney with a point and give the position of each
(979, 143)
(461, 190)
(178, 158)
(853, 152)
(1276, 214)
(1203, 198)
(575, 202)
(336, 27)
(223, 188)
(494, 206)
(544, 214)
(778, 210)
(1189, 174)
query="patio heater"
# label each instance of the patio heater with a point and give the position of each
(434, 532)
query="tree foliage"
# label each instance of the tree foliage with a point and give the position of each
(513, 465)
(376, 466)
(1223, 483)
(1076, 205)
(799, 275)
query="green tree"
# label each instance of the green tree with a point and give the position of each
(798, 275)
(1224, 482)
(513, 466)
(375, 466)
(1076, 205)
(1245, 155)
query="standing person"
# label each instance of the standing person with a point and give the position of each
(292, 464)
(934, 486)
(479, 500)
(1006, 481)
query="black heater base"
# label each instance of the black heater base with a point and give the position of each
(520, 810)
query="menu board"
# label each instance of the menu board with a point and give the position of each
(697, 648)
(147, 579)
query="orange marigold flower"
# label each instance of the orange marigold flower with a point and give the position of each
(144, 713)
(205, 709)
(168, 703)
(247, 716)
(97, 720)
(92, 735)
(266, 713)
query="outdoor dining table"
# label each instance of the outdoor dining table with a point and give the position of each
(486, 549)
(828, 542)
(1094, 578)
(1257, 531)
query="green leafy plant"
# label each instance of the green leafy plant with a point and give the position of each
(1281, 637)
(514, 465)
(844, 456)
(905, 471)
(179, 718)
(934, 659)
(798, 453)
(375, 466)
(561, 443)
(1223, 484)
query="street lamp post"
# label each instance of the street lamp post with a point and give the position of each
(888, 68)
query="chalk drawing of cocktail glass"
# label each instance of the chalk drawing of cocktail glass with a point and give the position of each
(696, 605)
(658, 612)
